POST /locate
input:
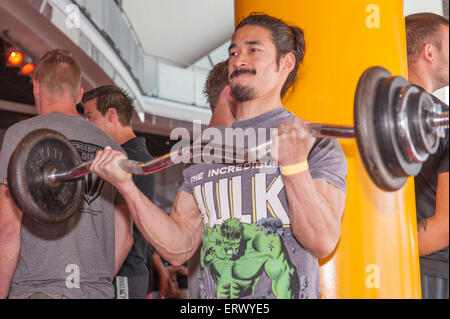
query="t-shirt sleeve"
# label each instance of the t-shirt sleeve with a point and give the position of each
(443, 164)
(327, 161)
(10, 140)
(186, 186)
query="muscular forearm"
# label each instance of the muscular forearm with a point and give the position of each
(9, 256)
(10, 228)
(432, 232)
(313, 221)
(173, 241)
(432, 235)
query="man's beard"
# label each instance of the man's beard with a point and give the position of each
(243, 93)
(441, 73)
(442, 78)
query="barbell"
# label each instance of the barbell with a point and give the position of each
(397, 127)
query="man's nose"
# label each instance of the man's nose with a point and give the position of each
(241, 60)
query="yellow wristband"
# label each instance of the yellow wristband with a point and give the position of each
(295, 168)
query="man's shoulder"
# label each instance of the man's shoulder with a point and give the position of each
(49, 121)
(73, 128)
(276, 117)
(17, 131)
(285, 115)
(24, 124)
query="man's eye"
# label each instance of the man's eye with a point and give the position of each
(233, 53)
(254, 49)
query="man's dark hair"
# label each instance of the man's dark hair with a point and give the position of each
(215, 83)
(423, 28)
(110, 96)
(286, 38)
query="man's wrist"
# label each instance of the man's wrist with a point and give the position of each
(126, 187)
(293, 169)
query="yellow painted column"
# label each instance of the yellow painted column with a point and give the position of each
(377, 255)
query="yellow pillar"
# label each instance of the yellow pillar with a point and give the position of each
(377, 255)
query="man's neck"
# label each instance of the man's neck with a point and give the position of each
(256, 107)
(59, 105)
(124, 134)
(418, 76)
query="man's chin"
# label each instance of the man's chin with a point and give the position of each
(243, 93)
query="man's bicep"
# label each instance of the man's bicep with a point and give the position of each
(327, 161)
(186, 213)
(334, 196)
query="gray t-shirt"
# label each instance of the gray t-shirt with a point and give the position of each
(248, 249)
(74, 258)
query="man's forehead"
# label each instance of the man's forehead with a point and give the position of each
(89, 105)
(251, 34)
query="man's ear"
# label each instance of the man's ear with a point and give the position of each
(287, 62)
(79, 96)
(111, 115)
(429, 53)
(35, 88)
(228, 94)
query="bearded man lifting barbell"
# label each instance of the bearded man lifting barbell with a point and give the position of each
(79, 257)
(263, 229)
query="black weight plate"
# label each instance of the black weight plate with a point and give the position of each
(420, 107)
(36, 155)
(386, 114)
(365, 122)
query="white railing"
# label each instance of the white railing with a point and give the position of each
(155, 76)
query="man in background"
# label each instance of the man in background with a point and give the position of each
(428, 67)
(37, 261)
(218, 94)
(111, 110)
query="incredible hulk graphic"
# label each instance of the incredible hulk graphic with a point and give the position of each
(237, 255)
